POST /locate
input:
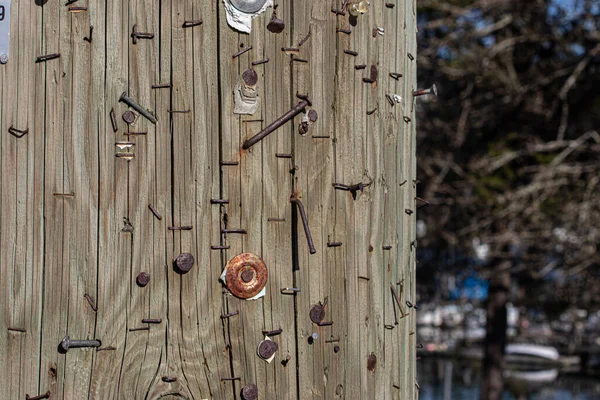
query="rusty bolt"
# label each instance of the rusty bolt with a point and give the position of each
(250, 392)
(184, 262)
(142, 279)
(267, 348)
(250, 77)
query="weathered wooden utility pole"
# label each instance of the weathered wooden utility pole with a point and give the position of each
(128, 183)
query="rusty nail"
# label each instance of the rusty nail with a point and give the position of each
(290, 49)
(233, 378)
(168, 379)
(72, 194)
(69, 2)
(13, 329)
(161, 86)
(328, 323)
(180, 228)
(47, 57)
(336, 348)
(305, 38)
(263, 61)
(17, 133)
(191, 23)
(142, 279)
(408, 211)
(334, 244)
(395, 295)
(153, 210)
(278, 122)
(127, 156)
(337, 11)
(77, 9)
(151, 321)
(229, 163)
(364, 278)
(219, 201)
(351, 52)
(289, 290)
(281, 155)
(387, 247)
(135, 133)
(250, 392)
(372, 111)
(286, 360)
(252, 120)
(395, 75)
(300, 60)
(390, 100)
(240, 231)
(387, 326)
(231, 314)
(421, 92)
(390, 5)
(321, 137)
(410, 56)
(184, 262)
(313, 116)
(89, 38)
(300, 207)
(131, 103)
(146, 328)
(368, 80)
(90, 301)
(267, 348)
(129, 117)
(361, 66)
(371, 362)
(275, 219)
(67, 343)
(346, 31)
(250, 77)
(135, 35)
(239, 53)
(38, 397)
(332, 340)
(219, 247)
(272, 333)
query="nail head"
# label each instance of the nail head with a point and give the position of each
(184, 262)
(143, 279)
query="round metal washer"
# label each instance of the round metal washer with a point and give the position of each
(246, 275)
(267, 348)
(248, 6)
(250, 392)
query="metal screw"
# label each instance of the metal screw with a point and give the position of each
(131, 103)
(67, 343)
(421, 92)
(300, 206)
(278, 122)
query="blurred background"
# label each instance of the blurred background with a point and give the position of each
(509, 222)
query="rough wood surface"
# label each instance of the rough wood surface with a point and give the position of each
(75, 221)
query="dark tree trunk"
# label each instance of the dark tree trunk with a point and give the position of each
(495, 339)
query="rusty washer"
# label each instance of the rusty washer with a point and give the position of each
(267, 348)
(250, 392)
(246, 275)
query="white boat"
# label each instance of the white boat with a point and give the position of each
(533, 350)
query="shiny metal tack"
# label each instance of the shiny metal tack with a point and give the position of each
(246, 275)
(267, 348)
(184, 262)
(250, 392)
(3, 58)
(248, 6)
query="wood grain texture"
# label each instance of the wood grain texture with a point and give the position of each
(74, 217)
